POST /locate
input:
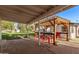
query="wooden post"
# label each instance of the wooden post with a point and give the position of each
(52, 35)
(68, 33)
(0, 31)
(39, 34)
(1, 37)
(54, 39)
(67, 36)
(27, 31)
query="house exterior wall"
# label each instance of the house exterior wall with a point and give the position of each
(72, 32)
(77, 31)
(59, 28)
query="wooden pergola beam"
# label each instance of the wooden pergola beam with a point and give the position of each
(29, 15)
(10, 19)
(52, 11)
(21, 10)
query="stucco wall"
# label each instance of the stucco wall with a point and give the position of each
(72, 32)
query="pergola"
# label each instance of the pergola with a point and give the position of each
(29, 14)
(58, 20)
(53, 22)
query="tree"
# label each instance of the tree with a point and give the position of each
(22, 27)
(7, 25)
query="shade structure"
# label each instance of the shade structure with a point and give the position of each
(58, 20)
(54, 24)
(29, 13)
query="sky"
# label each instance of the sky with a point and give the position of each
(71, 14)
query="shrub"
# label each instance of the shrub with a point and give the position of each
(11, 36)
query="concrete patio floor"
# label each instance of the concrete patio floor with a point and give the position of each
(65, 47)
(24, 46)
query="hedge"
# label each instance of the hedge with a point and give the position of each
(11, 36)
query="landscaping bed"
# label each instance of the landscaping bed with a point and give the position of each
(11, 36)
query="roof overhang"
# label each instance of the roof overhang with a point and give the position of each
(29, 13)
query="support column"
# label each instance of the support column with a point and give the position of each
(0, 31)
(54, 39)
(68, 33)
(1, 46)
(27, 30)
(39, 34)
(52, 35)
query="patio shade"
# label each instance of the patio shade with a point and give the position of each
(29, 13)
(58, 20)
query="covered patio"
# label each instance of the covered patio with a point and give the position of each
(30, 14)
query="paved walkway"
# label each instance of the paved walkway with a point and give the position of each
(65, 47)
(24, 46)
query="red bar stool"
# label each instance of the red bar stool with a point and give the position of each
(42, 38)
(58, 35)
(48, 38)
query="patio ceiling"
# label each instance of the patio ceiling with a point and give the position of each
(29, 13)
